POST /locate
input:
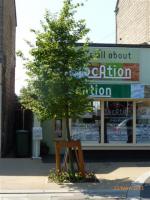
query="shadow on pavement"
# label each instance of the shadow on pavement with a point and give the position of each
(107, 188)
(95, 161)
(24, 167)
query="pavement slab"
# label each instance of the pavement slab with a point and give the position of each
(29, 177)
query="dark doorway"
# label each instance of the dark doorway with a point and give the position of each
(23, 125)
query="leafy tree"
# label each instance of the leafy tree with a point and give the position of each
(57, 66)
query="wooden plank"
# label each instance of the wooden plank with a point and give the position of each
(58, 163)
(76, 145)
(81, 160)
(69, 144)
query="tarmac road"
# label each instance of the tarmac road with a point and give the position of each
(42, 196)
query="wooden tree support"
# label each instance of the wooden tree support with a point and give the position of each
(74, 145)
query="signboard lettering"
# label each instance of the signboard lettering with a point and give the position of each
(109, 91)
(114, 71)
(97, 90)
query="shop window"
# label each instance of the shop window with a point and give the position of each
(143, 122)
(87, 128)
(118, 122)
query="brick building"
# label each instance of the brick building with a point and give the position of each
(132, 21)
(7, 73)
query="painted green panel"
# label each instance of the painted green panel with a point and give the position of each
(109, 91)
(121, 91)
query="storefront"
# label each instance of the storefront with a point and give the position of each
(119, 91)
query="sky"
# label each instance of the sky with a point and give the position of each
(99, 16)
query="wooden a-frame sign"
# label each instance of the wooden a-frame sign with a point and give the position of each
(75, 145)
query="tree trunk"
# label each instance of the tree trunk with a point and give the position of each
(68, 129)
(70, 153)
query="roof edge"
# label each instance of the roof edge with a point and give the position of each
(116, 45)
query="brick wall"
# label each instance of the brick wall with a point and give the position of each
(133, 21)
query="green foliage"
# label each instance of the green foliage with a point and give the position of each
(20, 54)
(57, 67)
(68, 177)
(54, 88)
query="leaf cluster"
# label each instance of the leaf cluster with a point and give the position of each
(68, 177)
(57, 68)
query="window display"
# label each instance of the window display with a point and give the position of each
(143, 122)
(87, 128)
(116, 126)
(118, 123)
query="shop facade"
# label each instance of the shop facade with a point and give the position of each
(119, 91)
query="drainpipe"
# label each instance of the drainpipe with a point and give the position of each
(116, 22)
(116, 13)
(0, 109)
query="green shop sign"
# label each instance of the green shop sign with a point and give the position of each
(109, 91)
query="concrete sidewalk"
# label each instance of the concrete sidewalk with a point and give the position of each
(29, 177)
